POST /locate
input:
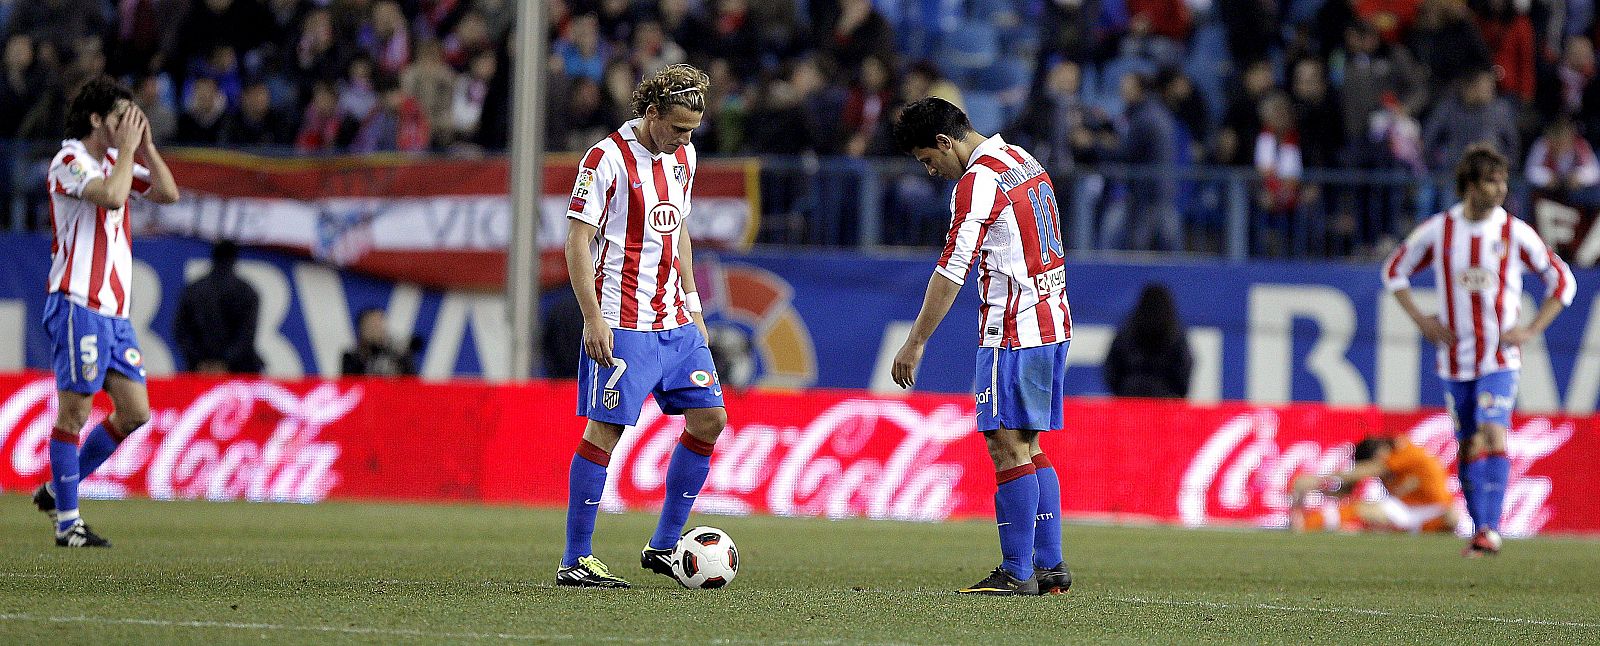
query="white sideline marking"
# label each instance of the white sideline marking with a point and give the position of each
(399, 632)
(1354, 611)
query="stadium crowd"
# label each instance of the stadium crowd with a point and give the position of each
(1395, 85)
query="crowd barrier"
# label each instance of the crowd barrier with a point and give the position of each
(822, 453)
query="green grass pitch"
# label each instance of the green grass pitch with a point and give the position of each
(192, 572)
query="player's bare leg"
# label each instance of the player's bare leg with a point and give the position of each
(686, 474)
(579, 566)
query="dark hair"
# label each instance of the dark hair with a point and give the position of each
(1477, 163)
(922, 120)
(1368, 447)
(1153, 323)
(98, 95)
(224, 254)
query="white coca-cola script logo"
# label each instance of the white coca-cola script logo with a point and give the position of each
(860, 457)
(199, 451)
(1242, 468)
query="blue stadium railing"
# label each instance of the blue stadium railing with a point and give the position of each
(887, 202)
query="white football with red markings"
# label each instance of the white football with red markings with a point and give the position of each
(705, 558)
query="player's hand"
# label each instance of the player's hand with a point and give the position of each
(131, 130)
(1516, 336)
(905, 364)
(1436, 332)
(147, 140)
(597, 342)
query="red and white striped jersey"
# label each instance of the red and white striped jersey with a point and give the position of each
(1478, 269)
(1004, 219)
(639, 202)
(91, 255)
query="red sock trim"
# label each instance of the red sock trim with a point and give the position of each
(1013, 473)
(695, 444)
(1041, 461)
(117, 435)
(63, 436)
(588, 451)
(1494, 454)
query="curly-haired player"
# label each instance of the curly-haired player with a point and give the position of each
(633, 271)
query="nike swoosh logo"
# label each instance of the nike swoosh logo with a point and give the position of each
(689, 496)
(586, 501)
(638, 184)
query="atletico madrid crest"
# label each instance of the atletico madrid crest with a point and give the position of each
(610, 398)
(680, 172)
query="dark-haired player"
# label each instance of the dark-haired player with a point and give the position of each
(1416, 496)
(1005, 222)
(1478, 253)
(90, 287)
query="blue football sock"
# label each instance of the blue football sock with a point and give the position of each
(64, 478)
(1477, 481)
(1047, 522)
(1015, 503)
(96, 448)
(686, 474)
(586, 482)
(1464, 475)
(1497, 473)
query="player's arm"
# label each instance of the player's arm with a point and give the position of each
(111, 191)
(584, 212)
(1560, 284)
(690, 290)
(971, 211)
(1339, 484)
(163, 188)
(1406, 260)
(580, 271)
(935, 305)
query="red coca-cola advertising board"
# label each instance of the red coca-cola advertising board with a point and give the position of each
(819, 453)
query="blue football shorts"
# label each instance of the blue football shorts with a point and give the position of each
(1021, 388)
(674, 365)
(1485, 400)
(84, 344)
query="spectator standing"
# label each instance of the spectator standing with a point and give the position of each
(1149, 219)
(256, 122)
(201, 121)
(1150, 355)
(1472, 115)
(215, 325)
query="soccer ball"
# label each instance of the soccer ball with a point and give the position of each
(705, 558)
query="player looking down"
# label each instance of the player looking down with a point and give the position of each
(631, 266)
(1416, 496)
(1005, 222)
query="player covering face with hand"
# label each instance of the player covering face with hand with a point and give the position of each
(90, 288)
(1004, 221)
(632, 269)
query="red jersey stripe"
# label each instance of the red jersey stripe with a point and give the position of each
(1500, 293)
(963, 206)
(658, 303)
(634, 247)
(116, 291)
(97, 271)
(1449, 290)
(1475, 298)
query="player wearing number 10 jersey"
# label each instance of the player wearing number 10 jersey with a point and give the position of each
(1005, 222)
